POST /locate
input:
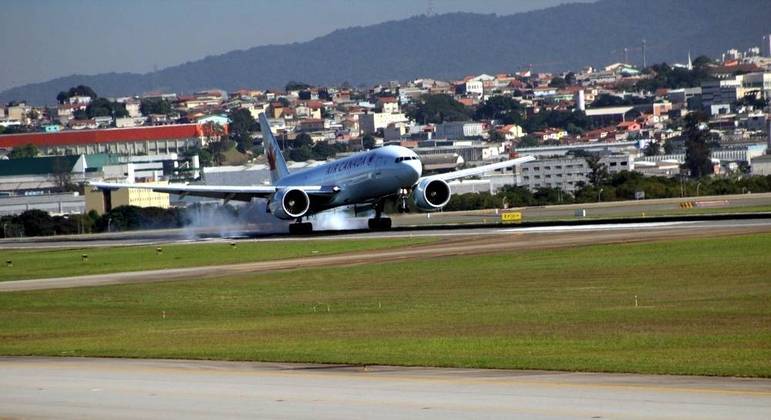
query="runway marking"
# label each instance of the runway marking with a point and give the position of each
(609, 226)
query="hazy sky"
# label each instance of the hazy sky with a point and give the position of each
(43, 39)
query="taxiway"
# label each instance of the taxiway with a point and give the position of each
(125, 388)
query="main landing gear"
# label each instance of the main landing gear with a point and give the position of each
(401, 201)
(379, 222)
(300, 228)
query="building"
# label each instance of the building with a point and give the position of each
(625, 147)
(103, 201)
(761, 165)
(567, 173)
(718, 92)
(459, 130)
(40, 175)
(130, 141)
(374, 121)
(609, 115)
(511, 132)
(56, 204)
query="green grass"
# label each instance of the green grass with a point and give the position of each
(29, 264)
(704, 307)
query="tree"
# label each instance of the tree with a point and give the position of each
(502, 108)
(653, 149)
(528, 141)
(438, 109)
(154, 106)
(300, 154)
(62, 175)
(576, 120)
(241, 126)
(558, 82)
(753, 100)
(103, 107)
(26, 151)
(599, 171)
(302, 140)
(217, 142)
(697, 153)
(37, 223)
(323, 150)
(62, 97)
(570, 78)
(669, 147)
(368, 142)
(665, 76)
(294, 85)
(496, 136)
(80, 90)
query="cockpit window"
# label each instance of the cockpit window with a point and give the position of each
(403, 158)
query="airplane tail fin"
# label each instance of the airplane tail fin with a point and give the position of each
(276, 162)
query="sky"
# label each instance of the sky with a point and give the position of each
(44, 39)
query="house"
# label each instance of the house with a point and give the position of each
(628, 126)
(511, 131)
(310, 124)
(388, 104)
(550, 134)
(83, 124)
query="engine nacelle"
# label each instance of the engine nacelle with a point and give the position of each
(431, 194)
(289, 204)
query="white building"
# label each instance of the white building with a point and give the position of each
(374, 121)
(475, 87)
(459, 129)
(567, 172)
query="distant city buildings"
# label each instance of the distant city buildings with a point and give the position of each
(632, 118)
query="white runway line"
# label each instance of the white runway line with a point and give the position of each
(609, 226)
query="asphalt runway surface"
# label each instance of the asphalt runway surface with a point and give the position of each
(450, 243)
(124, 388)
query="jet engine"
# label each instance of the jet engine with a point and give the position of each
(289, 204)
(431, 194)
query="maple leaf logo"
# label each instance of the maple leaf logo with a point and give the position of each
(270, 155)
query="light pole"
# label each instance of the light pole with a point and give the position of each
(599, 194)
(698, 185)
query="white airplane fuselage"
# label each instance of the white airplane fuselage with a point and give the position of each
(362, 178)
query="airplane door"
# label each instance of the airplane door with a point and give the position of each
(379, 163)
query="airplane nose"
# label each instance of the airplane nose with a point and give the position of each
(417, 168)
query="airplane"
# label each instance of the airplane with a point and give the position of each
(368, 178)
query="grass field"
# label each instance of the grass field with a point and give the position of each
(28, 264)
(703, 307)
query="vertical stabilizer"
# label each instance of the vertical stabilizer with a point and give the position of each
(276, 161)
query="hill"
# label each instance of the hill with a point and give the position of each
(452, 45)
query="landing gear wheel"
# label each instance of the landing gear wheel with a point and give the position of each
(300, 228)
(402, 205)
(380, 223)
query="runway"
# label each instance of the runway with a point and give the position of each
(450, 243)
(125, 388)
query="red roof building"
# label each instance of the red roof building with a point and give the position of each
(135, 140)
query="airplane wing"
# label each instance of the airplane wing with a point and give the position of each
(225, 192)
(479, 169)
